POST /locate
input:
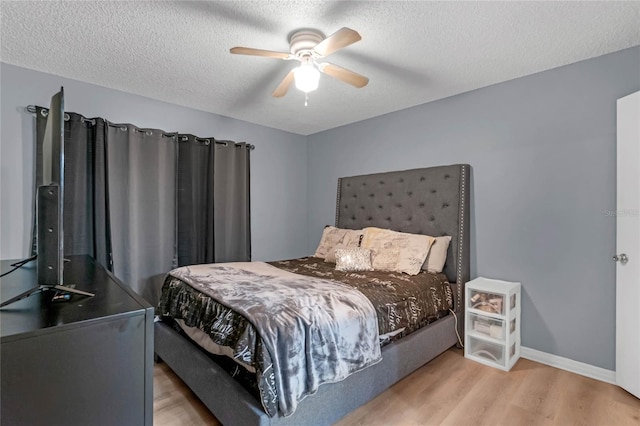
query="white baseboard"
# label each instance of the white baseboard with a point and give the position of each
(567, 364)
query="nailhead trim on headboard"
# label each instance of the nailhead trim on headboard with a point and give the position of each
(459, 277)
(338, 200)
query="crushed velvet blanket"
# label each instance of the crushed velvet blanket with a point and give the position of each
(314, 330)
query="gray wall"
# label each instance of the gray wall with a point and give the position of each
(278, 172)
(542, 149)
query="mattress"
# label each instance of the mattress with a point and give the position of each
(402, 305)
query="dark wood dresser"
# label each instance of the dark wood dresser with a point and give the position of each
(86, 361)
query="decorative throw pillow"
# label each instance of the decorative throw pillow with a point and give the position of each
(332, 236)
(437, 255)
(353, 259)
(396, 251)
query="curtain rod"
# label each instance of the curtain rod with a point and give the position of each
(45, 111)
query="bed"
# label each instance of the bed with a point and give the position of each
(431, 201)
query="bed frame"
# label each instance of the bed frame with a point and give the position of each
(432, 201)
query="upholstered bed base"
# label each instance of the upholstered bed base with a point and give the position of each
(233, 405)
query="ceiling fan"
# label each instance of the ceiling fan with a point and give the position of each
(308, 46)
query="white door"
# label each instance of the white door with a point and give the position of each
(628, 245)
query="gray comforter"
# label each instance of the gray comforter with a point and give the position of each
(316, 331)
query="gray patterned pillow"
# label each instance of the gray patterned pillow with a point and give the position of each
(353, 259)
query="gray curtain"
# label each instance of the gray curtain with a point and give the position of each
(231, 213)
(213, 201)
(141, 179)
(142, 201)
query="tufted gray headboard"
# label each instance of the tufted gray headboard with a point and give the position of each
(431, 201)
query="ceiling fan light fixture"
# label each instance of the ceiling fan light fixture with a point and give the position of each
(306, 77)
(307, 46)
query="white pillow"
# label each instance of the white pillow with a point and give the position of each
(331, 255)
(437, 255)
(332, 236)
(396, 251)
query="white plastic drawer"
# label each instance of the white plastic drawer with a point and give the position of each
(487, 351)
(487, 302)
(484, 326)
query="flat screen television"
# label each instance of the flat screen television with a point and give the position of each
(49, 210)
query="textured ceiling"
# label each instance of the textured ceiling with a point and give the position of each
(413, 52)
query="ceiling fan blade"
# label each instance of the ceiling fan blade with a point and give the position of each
(282, 88)
(343, 74)
(259, 52)
(336, 41)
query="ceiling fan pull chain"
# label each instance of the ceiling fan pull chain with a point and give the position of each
(306, 99)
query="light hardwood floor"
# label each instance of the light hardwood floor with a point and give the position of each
(451, 390)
